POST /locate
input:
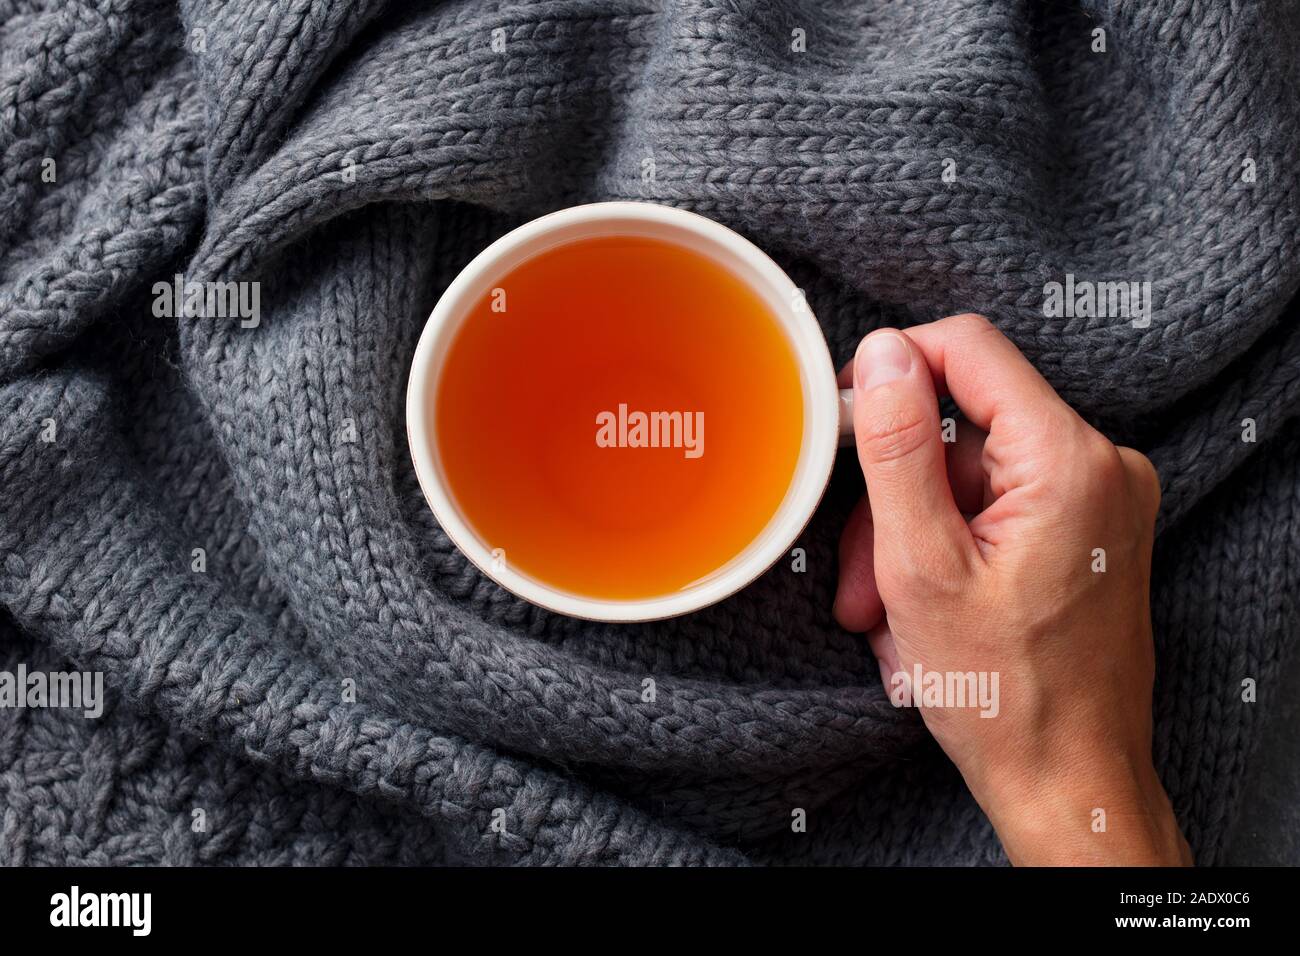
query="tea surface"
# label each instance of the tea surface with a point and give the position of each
(556, 428)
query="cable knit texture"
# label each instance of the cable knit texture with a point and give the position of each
(351, 156)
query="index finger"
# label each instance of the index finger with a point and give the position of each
(988, 377)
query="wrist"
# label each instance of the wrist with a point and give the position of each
(1111, 812)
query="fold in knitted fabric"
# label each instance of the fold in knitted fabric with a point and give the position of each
(333, 682)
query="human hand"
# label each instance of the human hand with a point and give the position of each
(1046, 587)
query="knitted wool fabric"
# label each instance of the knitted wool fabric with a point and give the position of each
(350, 156)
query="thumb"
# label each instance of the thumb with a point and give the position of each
(919, 531)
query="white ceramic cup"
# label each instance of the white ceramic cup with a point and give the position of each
(827, 411)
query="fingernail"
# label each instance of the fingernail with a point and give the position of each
(882, 357)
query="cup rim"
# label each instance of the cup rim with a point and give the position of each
(812, 470)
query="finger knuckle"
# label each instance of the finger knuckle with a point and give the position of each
(970, 328)
(1106, 467)
(1067, 443)
(1091, 452)
(1086, 468)
(920, 575)
(972, 322)
(904, 577)
(1142, 472)
(893, 435)
(1142, 467)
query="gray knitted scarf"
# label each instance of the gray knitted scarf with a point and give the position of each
(217, 512)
